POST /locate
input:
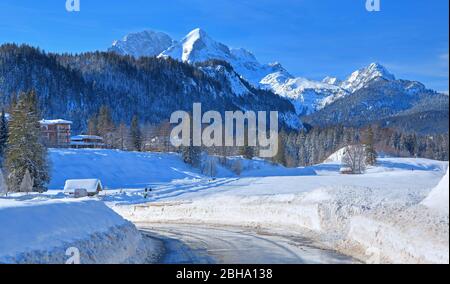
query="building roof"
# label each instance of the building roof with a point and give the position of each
(90, 185)
(55, 121)
(84, 137)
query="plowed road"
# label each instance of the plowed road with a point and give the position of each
(194, 244)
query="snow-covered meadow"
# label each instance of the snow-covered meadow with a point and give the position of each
(380, 216)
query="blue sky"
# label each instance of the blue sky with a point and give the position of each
(311, 38)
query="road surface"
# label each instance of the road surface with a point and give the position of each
(189, 244)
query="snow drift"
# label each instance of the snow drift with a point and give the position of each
(41, 232)
(438, 198)
(399, 235)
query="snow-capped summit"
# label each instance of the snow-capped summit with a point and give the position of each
(197, 46)
(146, 43)
(306, 95)
(332, 81)
(362, 77)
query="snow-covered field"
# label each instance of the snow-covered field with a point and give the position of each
(380, 216)
(316, 198)
(117, 169)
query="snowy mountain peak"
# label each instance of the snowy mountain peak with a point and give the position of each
(380, 71)
(307, 96)
(362, 77)
(197, 46)
(146, 43)
(331, 81)
(197, 34)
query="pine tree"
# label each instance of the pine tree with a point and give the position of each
(191, 155)
(280, 157)
(371, 153)
(25, 152)
(3, 137)
(136, 135)
(246, 151)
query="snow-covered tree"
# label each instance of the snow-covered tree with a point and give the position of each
(3, 186)
(25, 151)
(27, 183)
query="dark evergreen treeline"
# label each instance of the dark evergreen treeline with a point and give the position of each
(314, 146)
(74, 87)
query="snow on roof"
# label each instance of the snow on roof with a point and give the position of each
(90, 185)
(55, 121)
(82, 137)
(82, 143)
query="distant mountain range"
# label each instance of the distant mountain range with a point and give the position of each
(152, 75)
(368, 95)
(306, 95)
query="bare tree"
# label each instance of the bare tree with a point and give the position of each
(121, 137)
(209, 166)
(354, 159)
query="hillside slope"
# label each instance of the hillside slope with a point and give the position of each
(75, 86)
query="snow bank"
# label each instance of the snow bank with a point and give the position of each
(412, 235)
(325, 209)
(438, 198)
(339, 214)
(41, 232)
(266, 211)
